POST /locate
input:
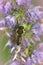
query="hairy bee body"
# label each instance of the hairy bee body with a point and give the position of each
(17, 33)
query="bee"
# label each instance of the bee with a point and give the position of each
(17, 33)
(17, 39)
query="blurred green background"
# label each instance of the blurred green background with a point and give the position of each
(4, 54)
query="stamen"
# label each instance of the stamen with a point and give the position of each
(15, 56)
(12, 49)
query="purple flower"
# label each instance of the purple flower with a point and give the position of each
(36, 37)
(40, 47)
(5, 8)
(2, 1)
(38, 55)
(2, 23)
(15, 63)
(29, 61)
(36, 28)
(41, 28)
(36, 25)
(35, 31)
(23, 2)
(8, 21)
(34, 13)
(19, 2)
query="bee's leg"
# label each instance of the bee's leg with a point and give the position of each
(18, 49)
(12, 49)
(16, 52)
(15, 56)
(23, 56)
(23, 59)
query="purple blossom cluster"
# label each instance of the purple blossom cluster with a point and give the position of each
(34, 13)
(23, 54)
(5, 8)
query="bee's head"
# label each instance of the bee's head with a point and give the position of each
(20, 29)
